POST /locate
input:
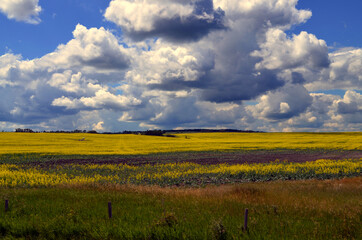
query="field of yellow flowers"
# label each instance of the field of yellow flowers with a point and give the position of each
(29, 147)
(102, 144)
(174, 174)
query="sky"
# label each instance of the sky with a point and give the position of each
(110, 66)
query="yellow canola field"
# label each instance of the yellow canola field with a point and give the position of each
(65, 144)
(16, 176)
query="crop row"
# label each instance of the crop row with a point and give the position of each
(174, 174)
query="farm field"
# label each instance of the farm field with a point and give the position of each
(126, 144)
(189, 186)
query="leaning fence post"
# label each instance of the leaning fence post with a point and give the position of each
(109, 209)
(6, 205)
(246, 220)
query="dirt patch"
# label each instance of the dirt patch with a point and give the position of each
(236, 157)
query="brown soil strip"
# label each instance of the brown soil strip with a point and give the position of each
(236, 157)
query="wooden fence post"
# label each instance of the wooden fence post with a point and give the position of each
(246, 220)
(6, 205)
(109, 209)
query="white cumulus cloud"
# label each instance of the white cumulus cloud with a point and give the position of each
(95, 48)
(178, 21)
(21, 10)
(281, 52)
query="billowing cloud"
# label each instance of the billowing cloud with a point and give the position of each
(91, 48)
(280, 13)
(175, 20)
(221, 66)
(98, 126)
(101, 100)
(326, 112)
(187, 64)
(284, 103)
(281, 52)
(21, 10)
(345, 71)
(73, 83)
(62, 82)
(349, 108)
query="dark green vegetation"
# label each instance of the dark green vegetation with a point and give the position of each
(312, 209)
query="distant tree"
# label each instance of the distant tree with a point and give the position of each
(27, 130)
(154, 132)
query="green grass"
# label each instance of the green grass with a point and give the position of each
(277, 210)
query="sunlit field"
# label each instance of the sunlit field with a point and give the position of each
(186, 186)
(57, 143)
(174, 174)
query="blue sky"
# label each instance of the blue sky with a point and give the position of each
(337, 22)
(58, 20)
(268, 65)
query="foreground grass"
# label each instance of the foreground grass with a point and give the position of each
(93, 144)
(309, 209)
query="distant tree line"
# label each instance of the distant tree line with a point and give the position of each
(169, 132)
(206, 130)
(156, 132)
(28, 130)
